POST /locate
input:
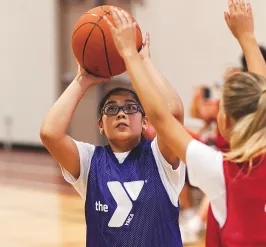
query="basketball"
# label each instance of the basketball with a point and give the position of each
(93, 45)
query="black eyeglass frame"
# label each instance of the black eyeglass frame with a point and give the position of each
(123, 108)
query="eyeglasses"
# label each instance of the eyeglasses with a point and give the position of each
(111, 110)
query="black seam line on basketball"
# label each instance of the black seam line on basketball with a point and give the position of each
(100, 18)
(87, 71)
(106, 52)
(106, 12)
(105, 48)
(84, 47)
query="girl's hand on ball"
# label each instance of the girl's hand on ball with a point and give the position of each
(84, 77)
(123, 32)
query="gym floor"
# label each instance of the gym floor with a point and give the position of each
(38, 208)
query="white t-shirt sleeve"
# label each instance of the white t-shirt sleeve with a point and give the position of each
(86, 152)
(205, 171)
(173, 180)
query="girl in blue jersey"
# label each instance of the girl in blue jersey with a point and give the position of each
(130, 186)
(234, 182)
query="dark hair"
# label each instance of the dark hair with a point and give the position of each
(116, 91)
(244, 62)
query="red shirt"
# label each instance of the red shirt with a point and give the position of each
(245, 224)
(221, 143)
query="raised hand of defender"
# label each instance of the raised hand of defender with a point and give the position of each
(123, 32)
(145, 51)
(240, 19)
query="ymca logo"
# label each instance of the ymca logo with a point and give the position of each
(123, 201)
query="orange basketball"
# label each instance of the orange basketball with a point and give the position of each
(93, 45)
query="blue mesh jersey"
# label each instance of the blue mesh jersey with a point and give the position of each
(127, 204)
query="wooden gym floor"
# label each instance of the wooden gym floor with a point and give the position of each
(37, 208)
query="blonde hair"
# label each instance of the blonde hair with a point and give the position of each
(244, 101)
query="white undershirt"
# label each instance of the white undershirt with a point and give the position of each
(173, 180)
(205, 170)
